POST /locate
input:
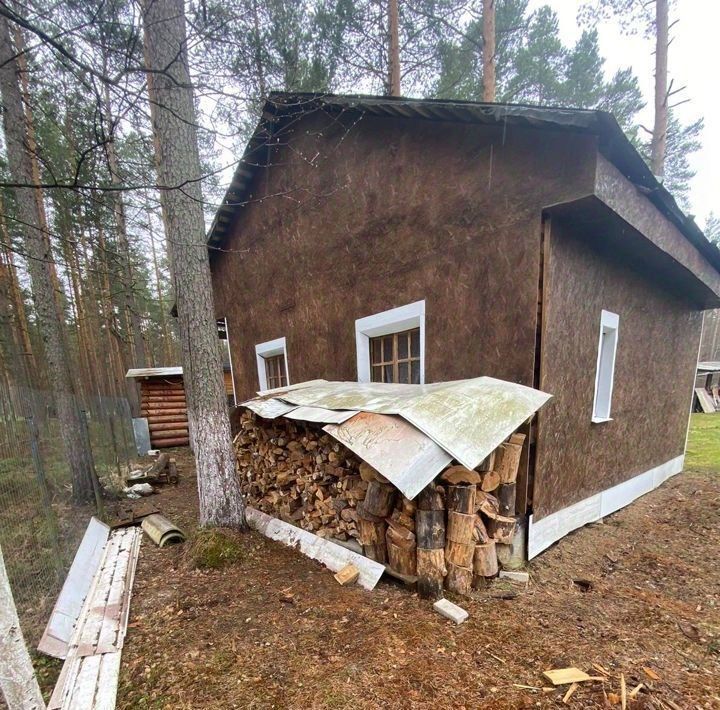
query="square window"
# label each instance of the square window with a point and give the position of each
(395, 363)
(272, 364)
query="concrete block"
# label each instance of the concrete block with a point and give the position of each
(515, 576)
(450, 611)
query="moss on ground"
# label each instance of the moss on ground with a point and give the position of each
(703, 451)
(214, 548)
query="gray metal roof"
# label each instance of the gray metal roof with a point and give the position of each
(282, 108)
(709, 366)
(154, 372)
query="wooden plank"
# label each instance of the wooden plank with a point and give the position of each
(563, 676)
(705, 400)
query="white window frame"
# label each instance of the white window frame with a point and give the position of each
(396, 320)
(232, 372)
(605, 367)
(270, 349)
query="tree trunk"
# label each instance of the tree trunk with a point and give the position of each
(17, 676)
(659, 137)
(488, 18)
(40, 267)
(393, 48)
(178, 163)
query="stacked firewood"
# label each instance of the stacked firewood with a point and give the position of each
(300, 474)
(451, 536)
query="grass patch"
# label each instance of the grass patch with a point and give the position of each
(703, 451)
(214, 548)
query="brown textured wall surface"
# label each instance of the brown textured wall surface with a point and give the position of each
(368, 215)
(658, 340)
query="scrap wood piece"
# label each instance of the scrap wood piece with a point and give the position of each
(332, 555)
(569, 694)
(650, 673)
(57, 634)
(347, 575)
(634, 692)
(563, 676)
(623, 692)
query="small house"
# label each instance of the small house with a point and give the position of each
(377, 239)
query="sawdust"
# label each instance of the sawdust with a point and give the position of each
(275, 630)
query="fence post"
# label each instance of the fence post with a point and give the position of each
(99, 505)
(45, 492)
(17, 676)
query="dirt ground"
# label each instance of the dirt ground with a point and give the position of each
(275, 630)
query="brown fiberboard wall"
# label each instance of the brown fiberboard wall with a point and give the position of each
(658, 341)
(359, 215)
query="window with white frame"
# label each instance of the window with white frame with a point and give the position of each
(272, 364)
(391, 345)
(605, 372)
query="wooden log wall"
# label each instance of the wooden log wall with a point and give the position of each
(450, 536)
(162, 401)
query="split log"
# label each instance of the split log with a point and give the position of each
(506, 499)
(460, 526)
(159, 466)
(399, 535)
(488, 463)
(368, 473)
(487, 504)
(480, 533)
(459, 579)
(431, 572)
(461, 499)
(485, 562)
(430, 529)
(408, 507)
(507, 461)
(490, 481)
(371, 533)
(502, 529)
(379, 499)
(376, 552)
(460, 554)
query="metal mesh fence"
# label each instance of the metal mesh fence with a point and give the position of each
(40, 526)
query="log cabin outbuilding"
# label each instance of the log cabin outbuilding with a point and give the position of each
(389, 239)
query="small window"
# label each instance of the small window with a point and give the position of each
(272, 364)
(605, 372)
(275, 371)
(396, 357)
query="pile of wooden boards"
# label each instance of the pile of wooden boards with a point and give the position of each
(163, 403)
(451, 536)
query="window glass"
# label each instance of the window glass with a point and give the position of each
(396, 357)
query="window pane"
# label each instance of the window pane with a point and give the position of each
(415, 342)
(415, 365)
(376, 350)
(403, 346)
(377, 373)
(404, 372)
(388, 348)
(388, 373)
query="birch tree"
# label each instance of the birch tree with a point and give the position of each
(179, 174)
(40, 266)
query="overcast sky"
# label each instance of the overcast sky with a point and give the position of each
(693, 62)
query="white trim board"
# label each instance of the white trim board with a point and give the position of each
(395, 320)
(555, 526)
(269, 349)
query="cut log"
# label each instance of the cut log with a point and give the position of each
(485, 562)
(371, 533)
(169, 434)
(458, 553)
(401, 559)
(167, 443)
(172, 471)
(461, 498)
(166, 426)
(430, 498)
(408, 507)
(368, 473)
(506, 499)
(459, 579)
(379, 499)
(431, 572)
(490, 481)
(158, 466)
(460, 474)
(460, 527)
(502, 529)
(507, 460)
(376, 552)
(487, 504)
(430, 529)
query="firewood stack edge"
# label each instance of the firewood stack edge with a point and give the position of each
(451, 536)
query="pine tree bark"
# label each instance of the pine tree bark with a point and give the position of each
(178, 164)
(488, 19)
(658, 144)
(393, 48)
(40, 263)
